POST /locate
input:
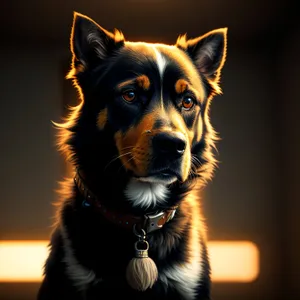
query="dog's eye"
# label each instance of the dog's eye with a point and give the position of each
(129, 96)
(187, 103)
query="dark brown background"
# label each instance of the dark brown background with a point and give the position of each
(254, 195)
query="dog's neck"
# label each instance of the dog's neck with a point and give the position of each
(148, 222)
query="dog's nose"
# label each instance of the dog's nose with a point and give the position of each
(169, 144)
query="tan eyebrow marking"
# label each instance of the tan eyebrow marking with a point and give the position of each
(181, 86)
(125, 83)
(143, 81)
(102, 118)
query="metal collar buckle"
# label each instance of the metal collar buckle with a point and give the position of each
(151, 223)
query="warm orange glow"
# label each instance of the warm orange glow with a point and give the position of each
(22, 261)
(234, 261)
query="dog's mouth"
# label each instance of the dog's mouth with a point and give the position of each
(164, 176)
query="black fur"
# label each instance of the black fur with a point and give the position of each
(100, 63)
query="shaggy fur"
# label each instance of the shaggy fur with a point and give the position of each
(142, 140)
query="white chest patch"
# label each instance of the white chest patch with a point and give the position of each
(161, 62)
(145, 194)
(79, 275)
(185, 278)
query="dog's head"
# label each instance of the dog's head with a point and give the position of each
(144, 107)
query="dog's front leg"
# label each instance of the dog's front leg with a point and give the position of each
(57, 289)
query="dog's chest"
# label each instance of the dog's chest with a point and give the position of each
(184, 278)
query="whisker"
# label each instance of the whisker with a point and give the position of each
(197, 160)
(114, 159)
(195, 164)
(132, 157)
(129, 147)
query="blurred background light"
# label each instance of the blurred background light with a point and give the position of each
(237, 261)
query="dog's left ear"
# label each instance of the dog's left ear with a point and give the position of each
(208, 52)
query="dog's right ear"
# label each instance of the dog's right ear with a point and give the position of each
(90, 42)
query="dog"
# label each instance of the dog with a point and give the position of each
(129, 222)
